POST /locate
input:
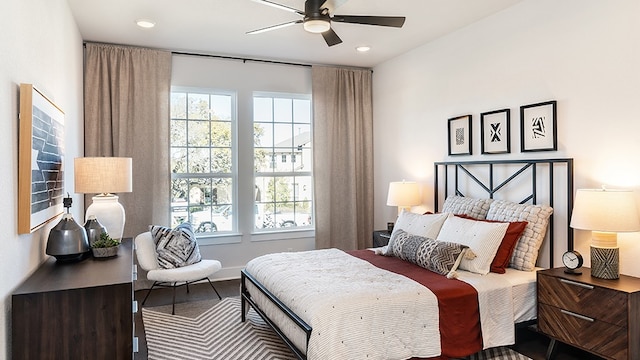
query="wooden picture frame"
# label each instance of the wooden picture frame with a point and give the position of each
(40, 160)
(538, 127)
(495, 132)
(459, 132)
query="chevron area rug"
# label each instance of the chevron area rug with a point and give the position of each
(217, 333)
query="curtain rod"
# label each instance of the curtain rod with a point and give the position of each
(228, 57)
(241, 59)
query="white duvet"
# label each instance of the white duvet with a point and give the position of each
(359, 311)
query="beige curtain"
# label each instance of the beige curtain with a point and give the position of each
(126, 113)
(343, 157)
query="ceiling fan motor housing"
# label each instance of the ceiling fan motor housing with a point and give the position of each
(316, 20)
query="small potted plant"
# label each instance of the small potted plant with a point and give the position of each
(105, 246)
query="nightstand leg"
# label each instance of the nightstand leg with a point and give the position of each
(551, 350)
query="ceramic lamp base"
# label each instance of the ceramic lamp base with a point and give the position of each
(109, 212)
(605, 262)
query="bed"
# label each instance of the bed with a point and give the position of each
(439, 289)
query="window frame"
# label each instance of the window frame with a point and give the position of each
(275, 160)
(233, 175)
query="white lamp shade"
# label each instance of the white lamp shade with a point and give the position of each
(102, 175)
(403, 194)
(605, 210)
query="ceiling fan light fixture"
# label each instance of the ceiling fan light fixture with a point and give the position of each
(316, 26)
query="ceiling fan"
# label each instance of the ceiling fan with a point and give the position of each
(317, 18)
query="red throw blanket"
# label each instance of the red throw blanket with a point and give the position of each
(460, 331)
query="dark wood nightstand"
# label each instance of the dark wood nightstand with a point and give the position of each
(381, 238)
(596, 315)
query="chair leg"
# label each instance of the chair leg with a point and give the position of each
(214, 289)
(187, 287)
(173, 305)
(149, 292)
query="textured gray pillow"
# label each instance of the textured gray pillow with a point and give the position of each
(525, 253)
(438, 256)
(175, 247)
(459, 205)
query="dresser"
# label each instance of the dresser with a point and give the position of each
(597, 315)
(81, 310)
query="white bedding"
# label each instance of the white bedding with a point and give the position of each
(383, 304)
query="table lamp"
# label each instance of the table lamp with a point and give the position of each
(104, 176)
(403, 194)
(605, 212)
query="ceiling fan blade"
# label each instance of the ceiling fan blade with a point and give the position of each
(332, 5)
(392, 21)
(279, 6)
(274, 27)
(331, 37)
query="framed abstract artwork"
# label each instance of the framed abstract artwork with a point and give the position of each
(40, 160)
(495, 132)
(460, 135)
(538, 127)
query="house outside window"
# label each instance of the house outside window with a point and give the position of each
(283, 189)
(202, 142)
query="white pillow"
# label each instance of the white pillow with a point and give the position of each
(427, 225)
(483, 238)
(476, 208)
(526, 252)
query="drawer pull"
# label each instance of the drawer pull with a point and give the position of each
(569, 282)
(576, 315)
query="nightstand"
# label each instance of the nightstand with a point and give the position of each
(381, 238)
(596, 315)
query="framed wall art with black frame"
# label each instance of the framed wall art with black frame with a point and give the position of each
(460, 135)
(538, 126)
(40, 160)
(495, 132)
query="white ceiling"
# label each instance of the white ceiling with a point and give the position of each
(219, 27)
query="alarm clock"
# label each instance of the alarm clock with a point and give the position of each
(572, 261)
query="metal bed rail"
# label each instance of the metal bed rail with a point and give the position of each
(246, 298)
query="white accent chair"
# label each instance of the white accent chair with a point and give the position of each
(148, 260)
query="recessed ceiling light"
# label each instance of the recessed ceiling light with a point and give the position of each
(145, 23)
(363, 48)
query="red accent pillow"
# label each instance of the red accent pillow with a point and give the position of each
(503, 255)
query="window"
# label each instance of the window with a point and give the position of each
(283, 189)
(202, 162)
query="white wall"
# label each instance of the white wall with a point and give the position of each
(40, 44)
(244, 78)
(583, 53)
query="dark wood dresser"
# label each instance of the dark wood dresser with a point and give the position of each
(596, 315)
(81, 310)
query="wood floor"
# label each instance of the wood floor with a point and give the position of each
(528, 342)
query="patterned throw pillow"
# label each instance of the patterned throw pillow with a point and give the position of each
(175, 247)
(438, 256)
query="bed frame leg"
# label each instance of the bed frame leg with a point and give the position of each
(551, 350)
(243, 292)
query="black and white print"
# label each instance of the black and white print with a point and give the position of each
(495, 132)
(460, 135)
(538, 127)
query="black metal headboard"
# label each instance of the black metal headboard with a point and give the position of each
(492, 178)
